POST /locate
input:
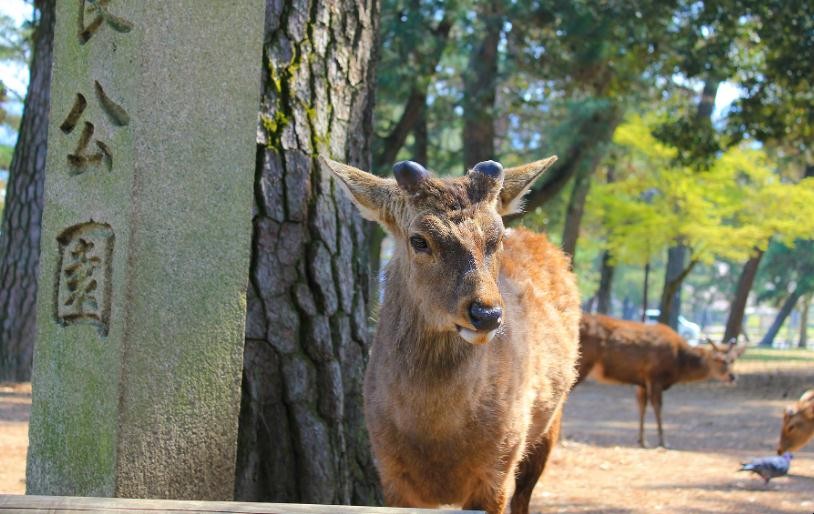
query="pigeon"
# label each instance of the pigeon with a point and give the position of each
(768, 467)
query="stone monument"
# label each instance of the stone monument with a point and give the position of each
(145, 248)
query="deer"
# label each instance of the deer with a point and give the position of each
(476, 345)
(653, 357)
(798, 424)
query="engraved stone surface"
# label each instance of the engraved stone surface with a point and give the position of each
(83, 281)
(145, 248)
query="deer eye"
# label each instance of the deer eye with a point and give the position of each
(419, 244)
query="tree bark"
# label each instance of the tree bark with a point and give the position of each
(603, 294)
(803, 341)
(22, 215)
(734, 323)
(302, 437)
(480, 89)
(784, 312)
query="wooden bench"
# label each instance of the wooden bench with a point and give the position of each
(69, 504)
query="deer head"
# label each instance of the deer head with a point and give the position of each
(722, 359)
(448, 235)
(798, 424)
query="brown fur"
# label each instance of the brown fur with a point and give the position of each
(453, 422)
(798, 424)
(651, 357)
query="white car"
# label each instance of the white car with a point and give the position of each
(686, 328)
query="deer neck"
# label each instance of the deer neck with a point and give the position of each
(693, 364)
(403, 329)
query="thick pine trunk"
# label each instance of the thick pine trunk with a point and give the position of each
(302, 436)
(603, 294)
(784, 312)
(20, 233)
(734, 323)
(480, 88)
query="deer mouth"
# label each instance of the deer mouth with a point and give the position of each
(474, 336)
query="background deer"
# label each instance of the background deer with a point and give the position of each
(477, 338)
(651, 357)
(798, 424)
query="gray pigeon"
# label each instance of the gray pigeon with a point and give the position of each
(768, 467)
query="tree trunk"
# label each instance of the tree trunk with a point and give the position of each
(669, 295)
(573, 214)
(414, 112)
(302, 437)
(671, 307)
(803, 342)
(421, 142)
(677, 255)
(784, 312)
(734, 323)
(480, 89)
(22, 215)
(603, 294)
(646, 290)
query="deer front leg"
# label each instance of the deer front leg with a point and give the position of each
(641, 398)
(655, 400)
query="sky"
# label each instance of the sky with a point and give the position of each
(14, 76)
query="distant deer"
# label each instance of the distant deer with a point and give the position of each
(477, 340)
(651, 357)
(798, 424)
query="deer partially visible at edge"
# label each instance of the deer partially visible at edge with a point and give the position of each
(651, 357)
(798, 424)
(476, 345)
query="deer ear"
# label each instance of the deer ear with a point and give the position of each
(517, 181)
(373, 196)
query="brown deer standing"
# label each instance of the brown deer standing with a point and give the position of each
(651, 357)
(476, 345)
(798, 424)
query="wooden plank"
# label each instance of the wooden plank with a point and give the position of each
(19, 504)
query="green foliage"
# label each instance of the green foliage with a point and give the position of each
(725, 211)
(786, 268)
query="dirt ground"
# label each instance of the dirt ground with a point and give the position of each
(600, 469)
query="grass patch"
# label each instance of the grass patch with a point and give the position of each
(774, 354)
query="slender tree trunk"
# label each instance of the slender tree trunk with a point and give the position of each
(803, 341)
(784, 312)
(302, 437)
(574, 212)
(603, 294)
(646, 289)
(22, 215)
(668, 295)
(734, 323)
(677, 255)
(415, 107)
(480, 88)
(421, 143)
(670, 306)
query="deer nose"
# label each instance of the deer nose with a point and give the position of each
(484, 318)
